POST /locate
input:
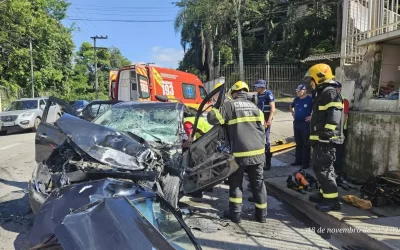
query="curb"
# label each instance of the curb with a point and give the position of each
(327, 221)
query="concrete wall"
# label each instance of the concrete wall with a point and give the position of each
(373, 135)
(372, 143)
(360, 81)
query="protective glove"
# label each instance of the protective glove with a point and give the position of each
(326, 135)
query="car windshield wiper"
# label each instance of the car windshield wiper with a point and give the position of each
(158, 139)
(135, 137)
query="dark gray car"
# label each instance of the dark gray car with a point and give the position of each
(137, 141)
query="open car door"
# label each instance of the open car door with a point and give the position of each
(206, 163)
(48, 135)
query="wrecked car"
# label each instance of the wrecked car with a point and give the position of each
(109, 214)
(141, 142)
(95, 108)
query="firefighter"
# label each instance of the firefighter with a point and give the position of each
(338, 165)
(188, 121)
(245, 128)
(266, 103)
(325, 133)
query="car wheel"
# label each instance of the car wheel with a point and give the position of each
(36, 124)
(170, 187)
(3, 132)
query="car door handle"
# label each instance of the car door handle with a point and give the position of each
(44, 136)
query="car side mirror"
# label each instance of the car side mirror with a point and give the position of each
(42, 107)
(162, 98)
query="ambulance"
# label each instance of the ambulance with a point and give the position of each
(143, 82)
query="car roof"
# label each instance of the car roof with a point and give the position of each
(31, 99)
(147, 103)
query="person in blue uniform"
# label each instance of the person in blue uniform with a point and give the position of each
(266, 103)
(301, 109)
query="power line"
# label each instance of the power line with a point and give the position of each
(112, 41)
(123, 7)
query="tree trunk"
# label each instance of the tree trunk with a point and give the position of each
(339, 24)
(210, 58)
(240, 44)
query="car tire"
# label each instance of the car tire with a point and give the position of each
(3, 133)
(36, 124)
(170, 187)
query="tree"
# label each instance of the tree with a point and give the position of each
(208, 27)
(82, 82)
(52, 45)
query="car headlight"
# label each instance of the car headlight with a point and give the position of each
(26, 114)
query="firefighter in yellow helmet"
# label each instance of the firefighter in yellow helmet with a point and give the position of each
(326, 131)
(215, 97)
(244, 123)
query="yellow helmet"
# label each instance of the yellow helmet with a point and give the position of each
(217, 85)
(320, 73)
(239, 86)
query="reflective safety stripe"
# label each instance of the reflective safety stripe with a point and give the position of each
(331, 105)
(314, 137)
(330, 126)
(219, 116)
(246, 119)
(320, 190)
(249, 153)
(261, 206)
(235, 200)
(330, 196)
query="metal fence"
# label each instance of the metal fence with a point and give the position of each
(283, 78)
(363, 19)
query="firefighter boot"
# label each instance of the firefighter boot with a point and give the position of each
(317, 198)
(267, 165)
(233, 216)
(328, 205)
(260, 215)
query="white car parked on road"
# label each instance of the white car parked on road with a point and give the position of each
(26, 113)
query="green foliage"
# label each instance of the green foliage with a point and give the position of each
(57, 71)
(52, 44)
(202, 23)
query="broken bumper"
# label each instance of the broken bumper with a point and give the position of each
(36, 199)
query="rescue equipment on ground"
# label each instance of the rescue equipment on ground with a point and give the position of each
(301, 181)
(382, 190)
(357, 202)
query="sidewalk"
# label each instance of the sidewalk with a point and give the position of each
(378, 228)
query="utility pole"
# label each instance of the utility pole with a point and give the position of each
(240, 44)
(33, 83)
(95, 63)
(219, 63)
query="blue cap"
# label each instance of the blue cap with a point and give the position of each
(301, 87)
(338, 85)
(260, 84)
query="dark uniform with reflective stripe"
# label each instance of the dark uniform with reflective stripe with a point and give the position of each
(325, 132)
(245, 127)
(264, 104)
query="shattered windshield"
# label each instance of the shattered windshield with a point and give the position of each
(154, 122)
(165, 221)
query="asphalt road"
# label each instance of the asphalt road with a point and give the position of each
(283, 230)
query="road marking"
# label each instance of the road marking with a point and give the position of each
(10, 146)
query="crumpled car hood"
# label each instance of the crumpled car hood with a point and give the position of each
(107, 145)
(109, 222)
